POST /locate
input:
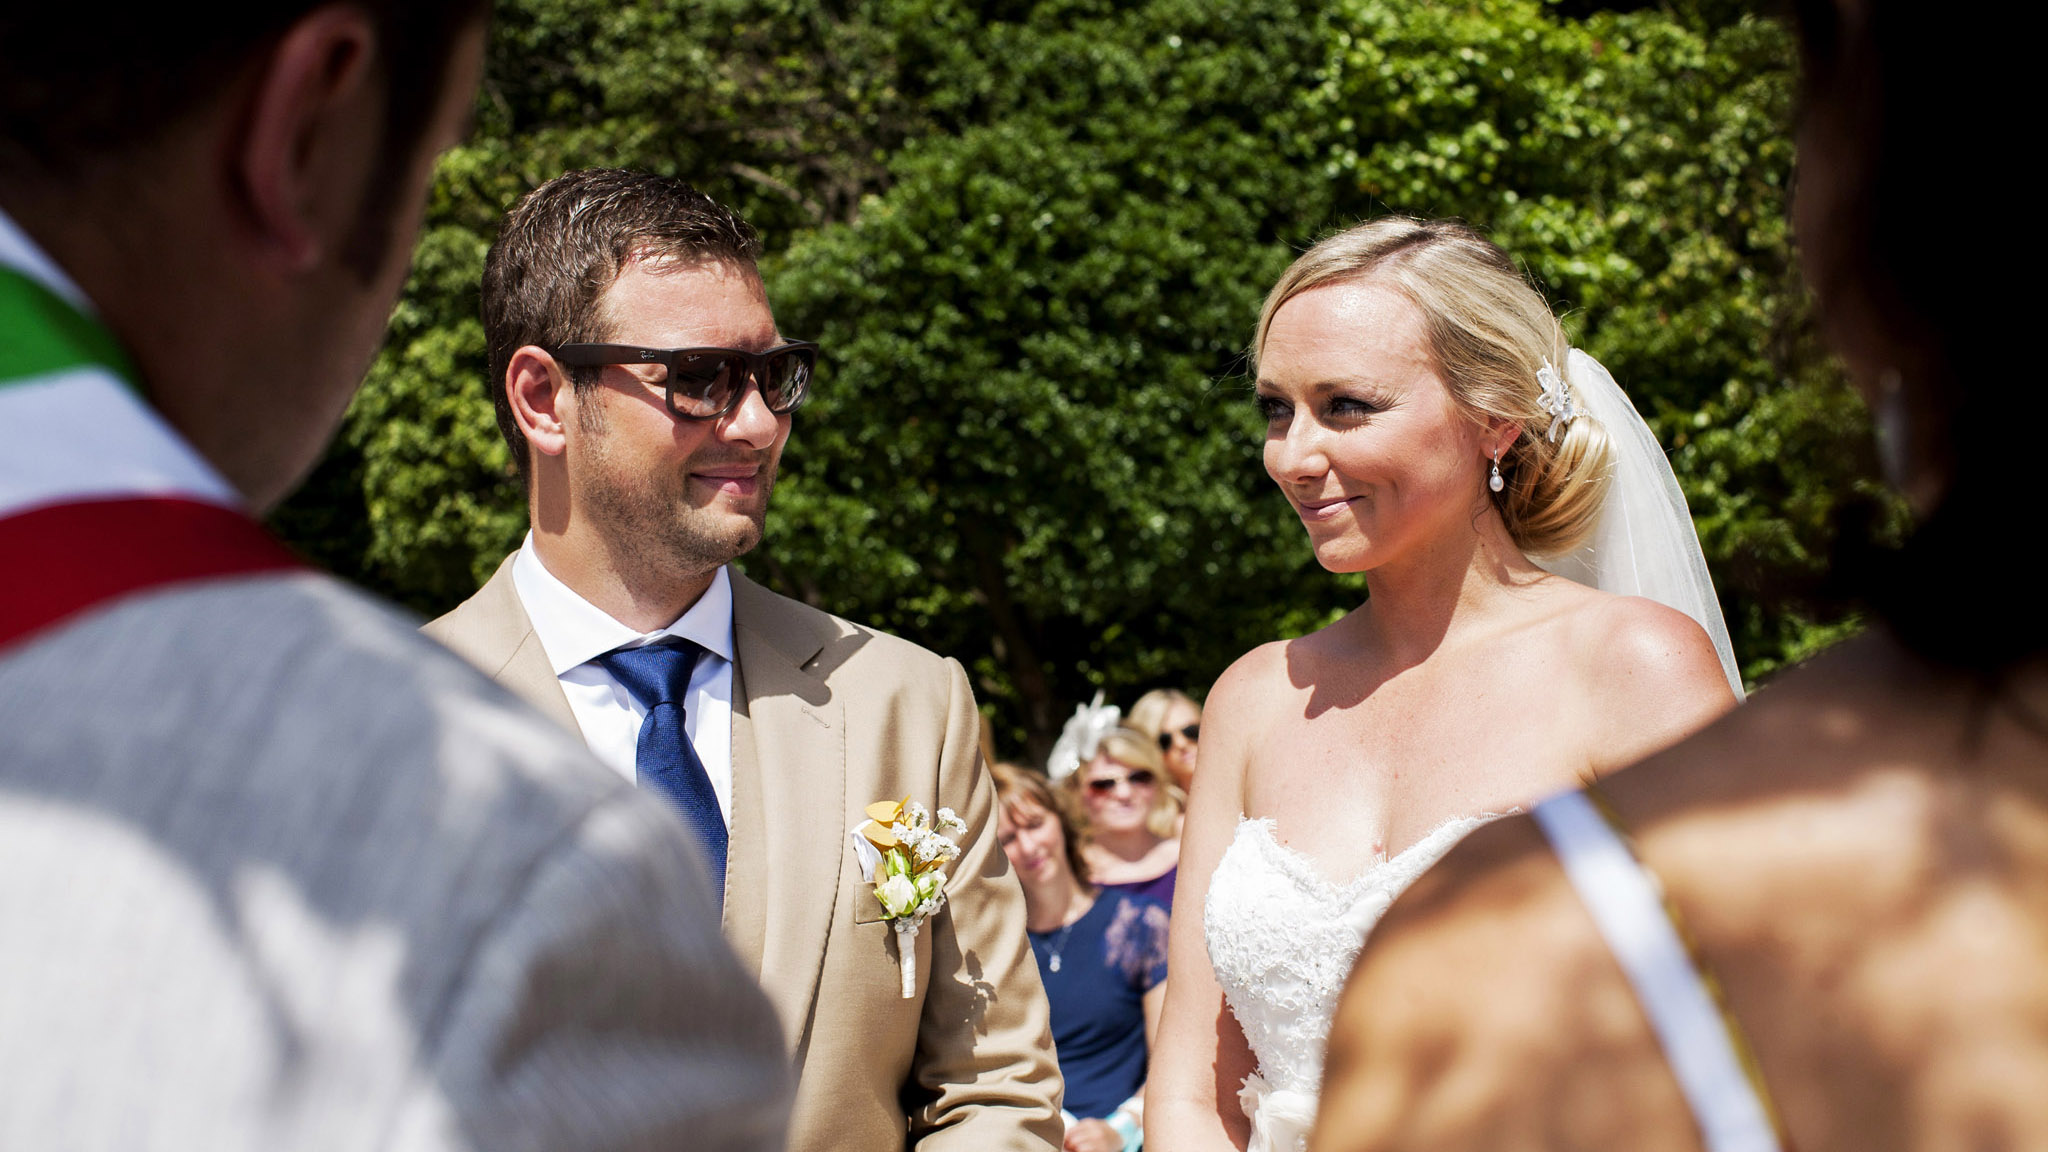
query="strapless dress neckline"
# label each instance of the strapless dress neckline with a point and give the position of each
(1282, 938)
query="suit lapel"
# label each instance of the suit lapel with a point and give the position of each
(789, 804)
(492, 631)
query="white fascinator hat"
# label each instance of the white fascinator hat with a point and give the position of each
(1082, 737)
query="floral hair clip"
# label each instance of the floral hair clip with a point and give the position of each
(903, 851)
(1556, 400)
(1081, 737)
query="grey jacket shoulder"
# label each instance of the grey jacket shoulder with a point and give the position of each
(307, 881)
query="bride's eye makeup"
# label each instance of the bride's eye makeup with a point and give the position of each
(1347, 406)
(1330, 406)
(1271, 408)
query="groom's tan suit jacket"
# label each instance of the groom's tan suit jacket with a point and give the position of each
(829, 717)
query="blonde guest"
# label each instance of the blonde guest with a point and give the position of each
(1169, 716)
(1133, 816)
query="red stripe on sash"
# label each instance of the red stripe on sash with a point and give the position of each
(59, 561)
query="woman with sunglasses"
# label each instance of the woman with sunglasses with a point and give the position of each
(1171, 717)
(1434, 430)
(1101, 954)
(1133, 816)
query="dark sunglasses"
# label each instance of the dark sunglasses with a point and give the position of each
(1192, 734)
(1104, 785)
(706, 383)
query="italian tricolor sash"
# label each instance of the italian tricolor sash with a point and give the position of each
(99, 498)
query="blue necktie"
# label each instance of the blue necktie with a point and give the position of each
(658, 676)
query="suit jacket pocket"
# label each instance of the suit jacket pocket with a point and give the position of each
(866, 909)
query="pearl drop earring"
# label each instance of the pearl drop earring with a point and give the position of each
(1494, 481)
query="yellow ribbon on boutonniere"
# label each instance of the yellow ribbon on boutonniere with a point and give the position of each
(903, 850)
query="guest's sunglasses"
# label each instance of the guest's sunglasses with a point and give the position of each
(1192, 734)
(707, 383)
(1104, 785)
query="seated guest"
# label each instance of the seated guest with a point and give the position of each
(1101, 954)
(1169, 716)
(1133, 816)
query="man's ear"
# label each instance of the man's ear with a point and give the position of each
(540, 393)
(314, 124)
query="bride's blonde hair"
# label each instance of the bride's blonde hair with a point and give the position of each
(1489, 332)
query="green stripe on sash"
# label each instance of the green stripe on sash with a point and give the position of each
(41, 333)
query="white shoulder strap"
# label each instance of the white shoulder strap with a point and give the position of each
(1628, 906)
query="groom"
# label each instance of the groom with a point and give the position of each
(771, 724)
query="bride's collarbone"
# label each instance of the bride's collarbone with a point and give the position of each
(1527, 651)
(1400, 758)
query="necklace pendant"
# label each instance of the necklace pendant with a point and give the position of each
(1055, 964)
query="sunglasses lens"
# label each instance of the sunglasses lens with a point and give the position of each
(1102, 787)
(1165, 741)
(787, 381)
(1193, 732)
(704, 383)
(1142, 778)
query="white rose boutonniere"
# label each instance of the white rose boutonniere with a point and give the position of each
(903, 850)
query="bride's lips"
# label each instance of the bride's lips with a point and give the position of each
(1323, 509)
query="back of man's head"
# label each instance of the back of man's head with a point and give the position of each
(564, 244)
(85, 86)
(231, 185)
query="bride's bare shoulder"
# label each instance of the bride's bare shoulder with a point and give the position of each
(1264, 675)
(1244, 695)
(1648, 672)
(1619, 637)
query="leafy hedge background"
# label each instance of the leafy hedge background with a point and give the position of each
(1033, 238)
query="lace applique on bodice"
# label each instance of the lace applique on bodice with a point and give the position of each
(1282, 940)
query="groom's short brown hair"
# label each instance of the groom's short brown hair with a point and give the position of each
(563, 245)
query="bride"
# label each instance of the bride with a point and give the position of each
(1432, 427)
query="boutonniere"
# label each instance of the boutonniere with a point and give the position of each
(903, 851)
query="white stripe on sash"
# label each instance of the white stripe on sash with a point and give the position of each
(81, 434)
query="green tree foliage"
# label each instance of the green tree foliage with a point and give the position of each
(1032, 445)
(1033, 238)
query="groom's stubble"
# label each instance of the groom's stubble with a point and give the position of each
(652, 523)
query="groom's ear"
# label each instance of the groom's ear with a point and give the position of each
(538, 389)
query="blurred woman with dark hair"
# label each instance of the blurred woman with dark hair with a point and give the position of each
(1101, 954)
(1859, 858)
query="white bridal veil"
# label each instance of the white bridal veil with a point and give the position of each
(1644, 543)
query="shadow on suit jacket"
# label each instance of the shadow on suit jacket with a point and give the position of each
(829, 717)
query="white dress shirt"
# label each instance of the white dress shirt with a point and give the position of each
(574, 632)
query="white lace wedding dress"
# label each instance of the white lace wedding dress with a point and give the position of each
(1282, 940)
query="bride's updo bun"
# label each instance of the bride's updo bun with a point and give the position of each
(1489, 333)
